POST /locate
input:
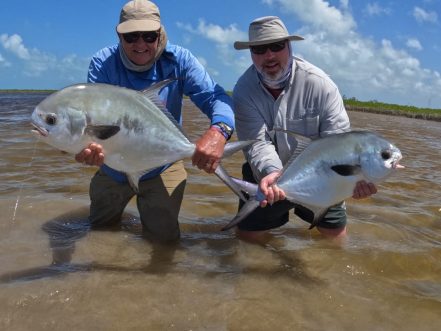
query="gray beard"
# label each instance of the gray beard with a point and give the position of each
(282, 78)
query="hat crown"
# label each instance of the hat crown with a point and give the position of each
(267, 28)
(139, 10)
(139, 15)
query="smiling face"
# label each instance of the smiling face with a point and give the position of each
(138, 50)
(272, 64)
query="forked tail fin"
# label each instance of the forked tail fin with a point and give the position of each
(255, 197)
(222, 173)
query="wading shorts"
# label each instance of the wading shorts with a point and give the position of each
(158, 201)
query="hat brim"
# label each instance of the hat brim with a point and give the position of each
(246, 44)
(138, 25)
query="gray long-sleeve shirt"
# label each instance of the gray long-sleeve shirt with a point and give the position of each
(310, 105)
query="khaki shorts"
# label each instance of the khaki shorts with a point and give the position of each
(158, 201)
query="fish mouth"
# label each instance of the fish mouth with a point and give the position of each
(396, 164)
(39, 130)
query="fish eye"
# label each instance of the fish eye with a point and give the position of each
(386, 155)
(51, 119)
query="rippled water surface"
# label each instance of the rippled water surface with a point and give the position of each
(385, 276)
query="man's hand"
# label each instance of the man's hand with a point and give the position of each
(92, 155)
(363, 190)
(209, 150)
(272, 192)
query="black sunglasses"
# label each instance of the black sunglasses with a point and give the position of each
(148, 37)
(274, 47)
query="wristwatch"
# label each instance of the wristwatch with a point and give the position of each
(226, 130)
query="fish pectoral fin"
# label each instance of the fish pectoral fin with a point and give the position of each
(346, 169)
(102, 132)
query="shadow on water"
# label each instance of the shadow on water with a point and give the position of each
(64, 231)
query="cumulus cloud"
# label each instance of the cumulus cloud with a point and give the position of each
(224, 39)
(215, 32)
(3, 62)
(414, 44)
(424, 16)
(374, 9)
(14, 44)
(361, 67)
(34, 63)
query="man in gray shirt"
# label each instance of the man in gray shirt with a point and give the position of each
(280, 90)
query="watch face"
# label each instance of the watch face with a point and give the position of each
(226, 128)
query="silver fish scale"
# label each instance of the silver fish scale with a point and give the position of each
(309, 179)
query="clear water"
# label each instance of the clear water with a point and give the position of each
(385, 276)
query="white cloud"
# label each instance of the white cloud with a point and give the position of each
(361, 67)
(34, 63)
(423, 16)
(215, 32)
(224, 39)
(414, 44)
(374, 9)
(320, 15)
(14, 44)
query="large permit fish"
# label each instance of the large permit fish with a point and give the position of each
(324, 172)
(136, 131)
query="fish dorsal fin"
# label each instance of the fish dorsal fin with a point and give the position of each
(102, 132)
(346, 169)
(302, 143)
(152, 93)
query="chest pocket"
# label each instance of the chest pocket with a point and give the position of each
(308, 126)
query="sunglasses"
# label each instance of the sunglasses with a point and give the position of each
(148, 37)
(274, 47)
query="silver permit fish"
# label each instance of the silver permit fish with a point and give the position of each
(324, 172)
(136, 131)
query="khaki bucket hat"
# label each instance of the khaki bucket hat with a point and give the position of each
(266, 30)
(139, 15)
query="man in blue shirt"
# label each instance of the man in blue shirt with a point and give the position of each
(143, 57)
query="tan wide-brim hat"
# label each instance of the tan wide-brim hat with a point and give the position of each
(266, 30)
(139, 15)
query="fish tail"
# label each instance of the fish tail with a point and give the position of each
(255, 196)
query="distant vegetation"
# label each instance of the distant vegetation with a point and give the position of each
(392, 109)
(351, 104)
(26, 91)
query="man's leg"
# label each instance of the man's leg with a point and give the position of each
(333, 225)
(255, 226)
(159, 202)
(108, 199)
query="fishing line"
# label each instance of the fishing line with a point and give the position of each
(22, 183)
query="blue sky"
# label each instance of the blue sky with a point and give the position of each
(387, 51)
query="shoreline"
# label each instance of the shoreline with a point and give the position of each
(350, 105)
(390, 112)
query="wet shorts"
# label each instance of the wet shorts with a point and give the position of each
(277, 215)
(158, 201)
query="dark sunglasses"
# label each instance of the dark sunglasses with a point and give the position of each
(274, 47)
(148, 37)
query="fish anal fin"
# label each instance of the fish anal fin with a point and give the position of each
(102, 132)
(346, 169)
(319, 214)
(133, 181)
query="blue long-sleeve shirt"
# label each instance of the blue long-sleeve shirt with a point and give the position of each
(193, 80)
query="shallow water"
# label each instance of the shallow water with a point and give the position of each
(385, 276)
